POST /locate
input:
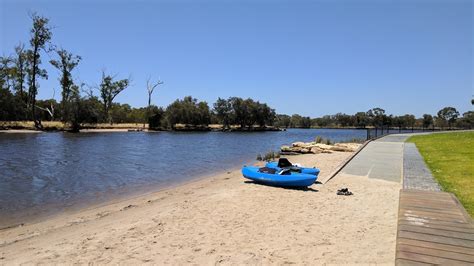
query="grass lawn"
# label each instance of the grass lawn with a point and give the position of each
(450, 156)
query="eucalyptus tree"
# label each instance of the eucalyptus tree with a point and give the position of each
(109, 89)
(449, 115)
(427, 120)
(20, 71)
(6, 77)
(40, 36)
(65, 63)
(223, 110)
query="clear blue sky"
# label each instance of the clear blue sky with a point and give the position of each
(307, 57)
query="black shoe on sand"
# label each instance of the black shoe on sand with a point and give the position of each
(344, 192)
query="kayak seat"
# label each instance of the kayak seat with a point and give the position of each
(267, 170)
(284, 163)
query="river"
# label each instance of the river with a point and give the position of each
(49, 173)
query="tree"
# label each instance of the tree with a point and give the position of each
(109, 89)
(150, 87)
(156, 117)
(40, 36)
(20, 71)
(361, 119)
(65, 64)
(343, 120)
(448, 114)
(427, 120)
(188, 111)
(299, 121)
(409, 120)
(283, 121)
(376, 116)
(241, 112)
(467, 120)
(223, 110)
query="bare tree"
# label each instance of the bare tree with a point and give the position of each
(150, 86)
(49, 110)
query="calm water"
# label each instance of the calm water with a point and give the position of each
(47, 173)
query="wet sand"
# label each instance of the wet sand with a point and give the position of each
(224, 219)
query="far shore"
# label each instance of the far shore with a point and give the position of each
(55, 126)
(224, 219)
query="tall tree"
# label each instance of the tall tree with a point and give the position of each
(20, 71)
(65, 64)
(360, 119)
(40, 36)
(6, 72)
(109, 89)
(150, 87)
(427, 120)
(377, 116)
(223, 109)
(448, 114)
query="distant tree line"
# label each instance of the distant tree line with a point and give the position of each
(21, 72)
(447, 117)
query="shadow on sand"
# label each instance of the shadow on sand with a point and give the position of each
(306, 189)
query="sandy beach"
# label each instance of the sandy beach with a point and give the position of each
(224, 219)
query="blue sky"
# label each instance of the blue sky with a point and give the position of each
(306, 57)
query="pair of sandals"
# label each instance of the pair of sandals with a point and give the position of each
(344, 192)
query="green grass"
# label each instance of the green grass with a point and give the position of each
(450, 156)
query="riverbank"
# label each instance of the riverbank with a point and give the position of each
(224, 219)
(48, 126)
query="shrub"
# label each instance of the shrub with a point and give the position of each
(318, 139)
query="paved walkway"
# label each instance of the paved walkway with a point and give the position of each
(416, 174)
(381, 159)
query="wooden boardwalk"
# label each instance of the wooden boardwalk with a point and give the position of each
(433, 228)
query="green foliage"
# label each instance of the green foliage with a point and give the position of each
(155, 117)
(245, 113)
(318, 139)
(188, 111)
(70, 92)
(427, 120)
(299, 121)
(224, 112)
(11, 106)
(269, 156)
(283, 121)
(450, 157)
(109, 89)
(467, 120)
(448, 114)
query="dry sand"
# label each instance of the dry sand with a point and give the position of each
(224, 220)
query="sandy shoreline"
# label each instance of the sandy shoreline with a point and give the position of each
(224, 219)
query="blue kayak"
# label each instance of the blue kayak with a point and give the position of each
(303, 170)
(278, 177)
